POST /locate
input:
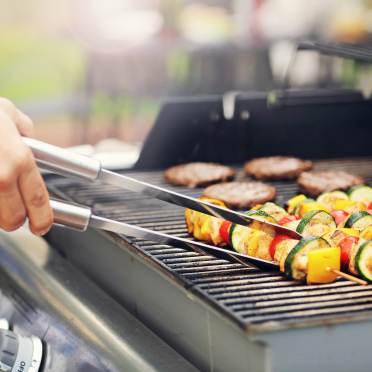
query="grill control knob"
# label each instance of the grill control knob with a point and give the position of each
(19, 353)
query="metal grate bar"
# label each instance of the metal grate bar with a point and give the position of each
(321, 313)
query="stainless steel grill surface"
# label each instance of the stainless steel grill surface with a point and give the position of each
(255, 300)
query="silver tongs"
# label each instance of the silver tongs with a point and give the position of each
(67, 163)
(81, 217)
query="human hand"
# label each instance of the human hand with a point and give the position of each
(23, 193)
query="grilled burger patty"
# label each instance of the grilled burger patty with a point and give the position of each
(276, 167)
(241, 194)
(196, 174)
(315, 183)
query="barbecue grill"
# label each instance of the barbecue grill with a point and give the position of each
(221, 315)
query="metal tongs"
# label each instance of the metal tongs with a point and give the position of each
(67, 163)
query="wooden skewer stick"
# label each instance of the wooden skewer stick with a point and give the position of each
(348, 276)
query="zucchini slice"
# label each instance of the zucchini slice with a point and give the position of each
(292, 224)
(328, 198)
(253, 242)
(367, 233)
(295, 264)
(261, 215)
(363, 260)
(316, 223)
(239, 235)
(361, 194)
(266, 236)
(274, 210)
(359, 220)
(282, 251)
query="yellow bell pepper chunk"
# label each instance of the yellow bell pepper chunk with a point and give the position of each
(293, 202)
(190, 225)
(343, 204)
(200, 223)
(349, 206)
(206, 230)
(197, 232)
(349, 231)
(320, 264)
(312, 206)
(213, 201)
(253, 243)
(361, 206)
(366, 233)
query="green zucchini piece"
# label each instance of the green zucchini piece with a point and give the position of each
(239, 234)
(327, 198)
(359, 220)
(361, 194)
(274, 211)
(363, 260)
(353, 188)
(295, 265)
(261, 215)
(231, 232)
(316, 223)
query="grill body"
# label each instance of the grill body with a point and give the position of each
(221, 315)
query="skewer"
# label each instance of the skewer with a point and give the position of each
(349, 277)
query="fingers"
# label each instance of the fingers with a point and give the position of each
(22, 190)
(24, 124)
(12, 210)
(36, 199)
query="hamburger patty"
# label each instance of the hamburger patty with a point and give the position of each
(196, 174)
(241, 194)
(277, 167)
(315, 183)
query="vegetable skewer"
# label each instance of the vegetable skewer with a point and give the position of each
(339, 238)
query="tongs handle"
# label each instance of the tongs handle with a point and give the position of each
(70, 215)
(63, 162)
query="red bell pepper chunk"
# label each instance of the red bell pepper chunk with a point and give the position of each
(225, 231)
(275, 242)
(287, 219)
(339, 216)
(346, 244)
(370, 206)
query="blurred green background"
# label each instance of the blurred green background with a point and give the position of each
(33, 67)
(85, 70)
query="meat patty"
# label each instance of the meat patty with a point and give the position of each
(241, 194)
(276, 167)
(315, 183)
(197, 174)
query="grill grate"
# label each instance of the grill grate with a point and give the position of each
(252, 298)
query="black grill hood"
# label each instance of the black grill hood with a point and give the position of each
(306, 123)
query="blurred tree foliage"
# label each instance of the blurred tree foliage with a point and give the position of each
(34, 67)
(37, 60)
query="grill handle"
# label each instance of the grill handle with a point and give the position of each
(70, 215)
(63, 162)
